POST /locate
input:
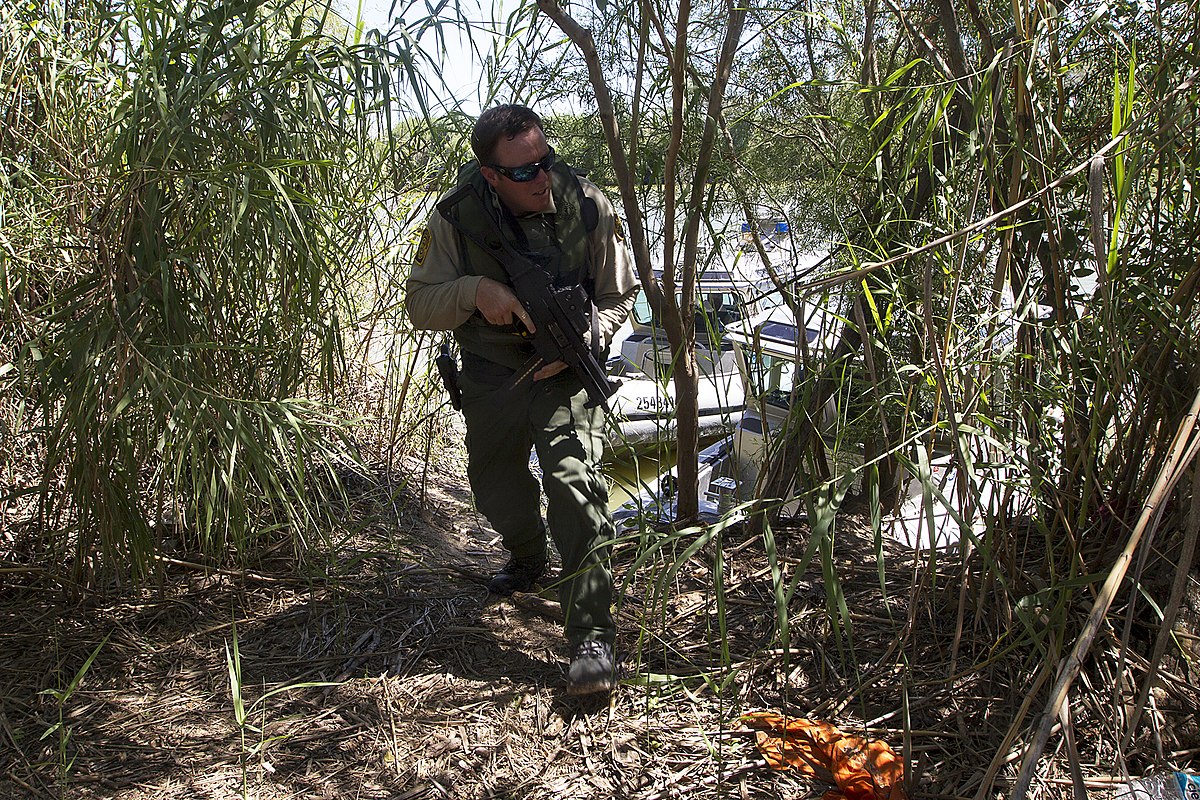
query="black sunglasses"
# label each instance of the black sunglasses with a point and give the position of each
(526, 172)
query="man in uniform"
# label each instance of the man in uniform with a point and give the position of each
(567, 225)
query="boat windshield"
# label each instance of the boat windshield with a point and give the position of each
(771, 378)
(715, 311)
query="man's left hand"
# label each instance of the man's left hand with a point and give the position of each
(549, 370)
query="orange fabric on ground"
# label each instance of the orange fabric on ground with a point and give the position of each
(862, 770)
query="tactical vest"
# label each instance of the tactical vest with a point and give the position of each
(559, 242)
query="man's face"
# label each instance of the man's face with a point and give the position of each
(525, 148)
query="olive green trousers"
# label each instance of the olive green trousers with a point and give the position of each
(548, 415)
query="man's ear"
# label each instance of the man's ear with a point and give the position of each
(490, 175)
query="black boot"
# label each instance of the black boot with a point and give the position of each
(593, 668)
(518, 575)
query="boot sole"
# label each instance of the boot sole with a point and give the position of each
(591, 687)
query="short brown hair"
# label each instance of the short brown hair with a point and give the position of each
(507, 121)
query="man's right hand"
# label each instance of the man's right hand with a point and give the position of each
(499, 306)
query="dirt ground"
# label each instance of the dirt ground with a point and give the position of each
(381, 668)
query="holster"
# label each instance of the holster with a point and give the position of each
(447, 368)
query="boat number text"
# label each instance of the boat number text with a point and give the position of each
(655, 403)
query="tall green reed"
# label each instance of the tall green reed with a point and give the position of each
(199, 205)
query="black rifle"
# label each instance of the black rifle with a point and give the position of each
(560, 314)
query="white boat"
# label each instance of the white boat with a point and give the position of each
(938, 507)
(730, 289)
(764, 352)
(644, 405)
(930, 512)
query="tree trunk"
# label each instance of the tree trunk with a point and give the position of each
(677, 315)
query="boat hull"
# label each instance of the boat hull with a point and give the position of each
(644, 411)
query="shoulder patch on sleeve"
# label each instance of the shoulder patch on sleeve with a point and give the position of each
(423, 247)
